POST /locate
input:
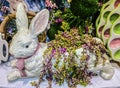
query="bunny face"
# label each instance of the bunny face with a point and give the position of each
(25, 41)
(23, 44)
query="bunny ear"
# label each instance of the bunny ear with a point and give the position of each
(39, 22)
(21, 17)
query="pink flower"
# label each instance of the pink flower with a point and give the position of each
(4, 9)
(49, 4)
(59, 20)
(62, 50)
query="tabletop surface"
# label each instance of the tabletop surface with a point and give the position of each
(96, 82)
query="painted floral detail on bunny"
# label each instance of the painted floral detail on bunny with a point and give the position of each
(29, 53)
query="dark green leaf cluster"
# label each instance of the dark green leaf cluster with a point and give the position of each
(84, 8)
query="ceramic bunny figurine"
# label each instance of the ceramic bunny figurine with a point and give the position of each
(25, 44)
(29, 52)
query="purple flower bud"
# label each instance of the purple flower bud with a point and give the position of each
(86, 29)
(1, 19)
(53, 51)
(10, 31)
(100, 3)
(59, 20)
(88, 57)
(56, 21)
(62, 50)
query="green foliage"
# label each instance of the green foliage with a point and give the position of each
(80, 15)
(64, 21)
(54, 28)
(84, 8)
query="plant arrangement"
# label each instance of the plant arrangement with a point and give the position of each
(62, 51)
(69, 31)
(81, 14)
(63, 21)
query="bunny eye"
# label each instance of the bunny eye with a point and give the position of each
(27, 46)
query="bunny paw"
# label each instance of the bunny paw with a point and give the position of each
(13, 63)
(13, 75)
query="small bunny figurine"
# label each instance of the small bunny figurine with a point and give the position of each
(29, 52)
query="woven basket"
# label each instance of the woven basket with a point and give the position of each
(8, 18)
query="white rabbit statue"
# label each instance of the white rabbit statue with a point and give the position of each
(25, 44)
(29, 52)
